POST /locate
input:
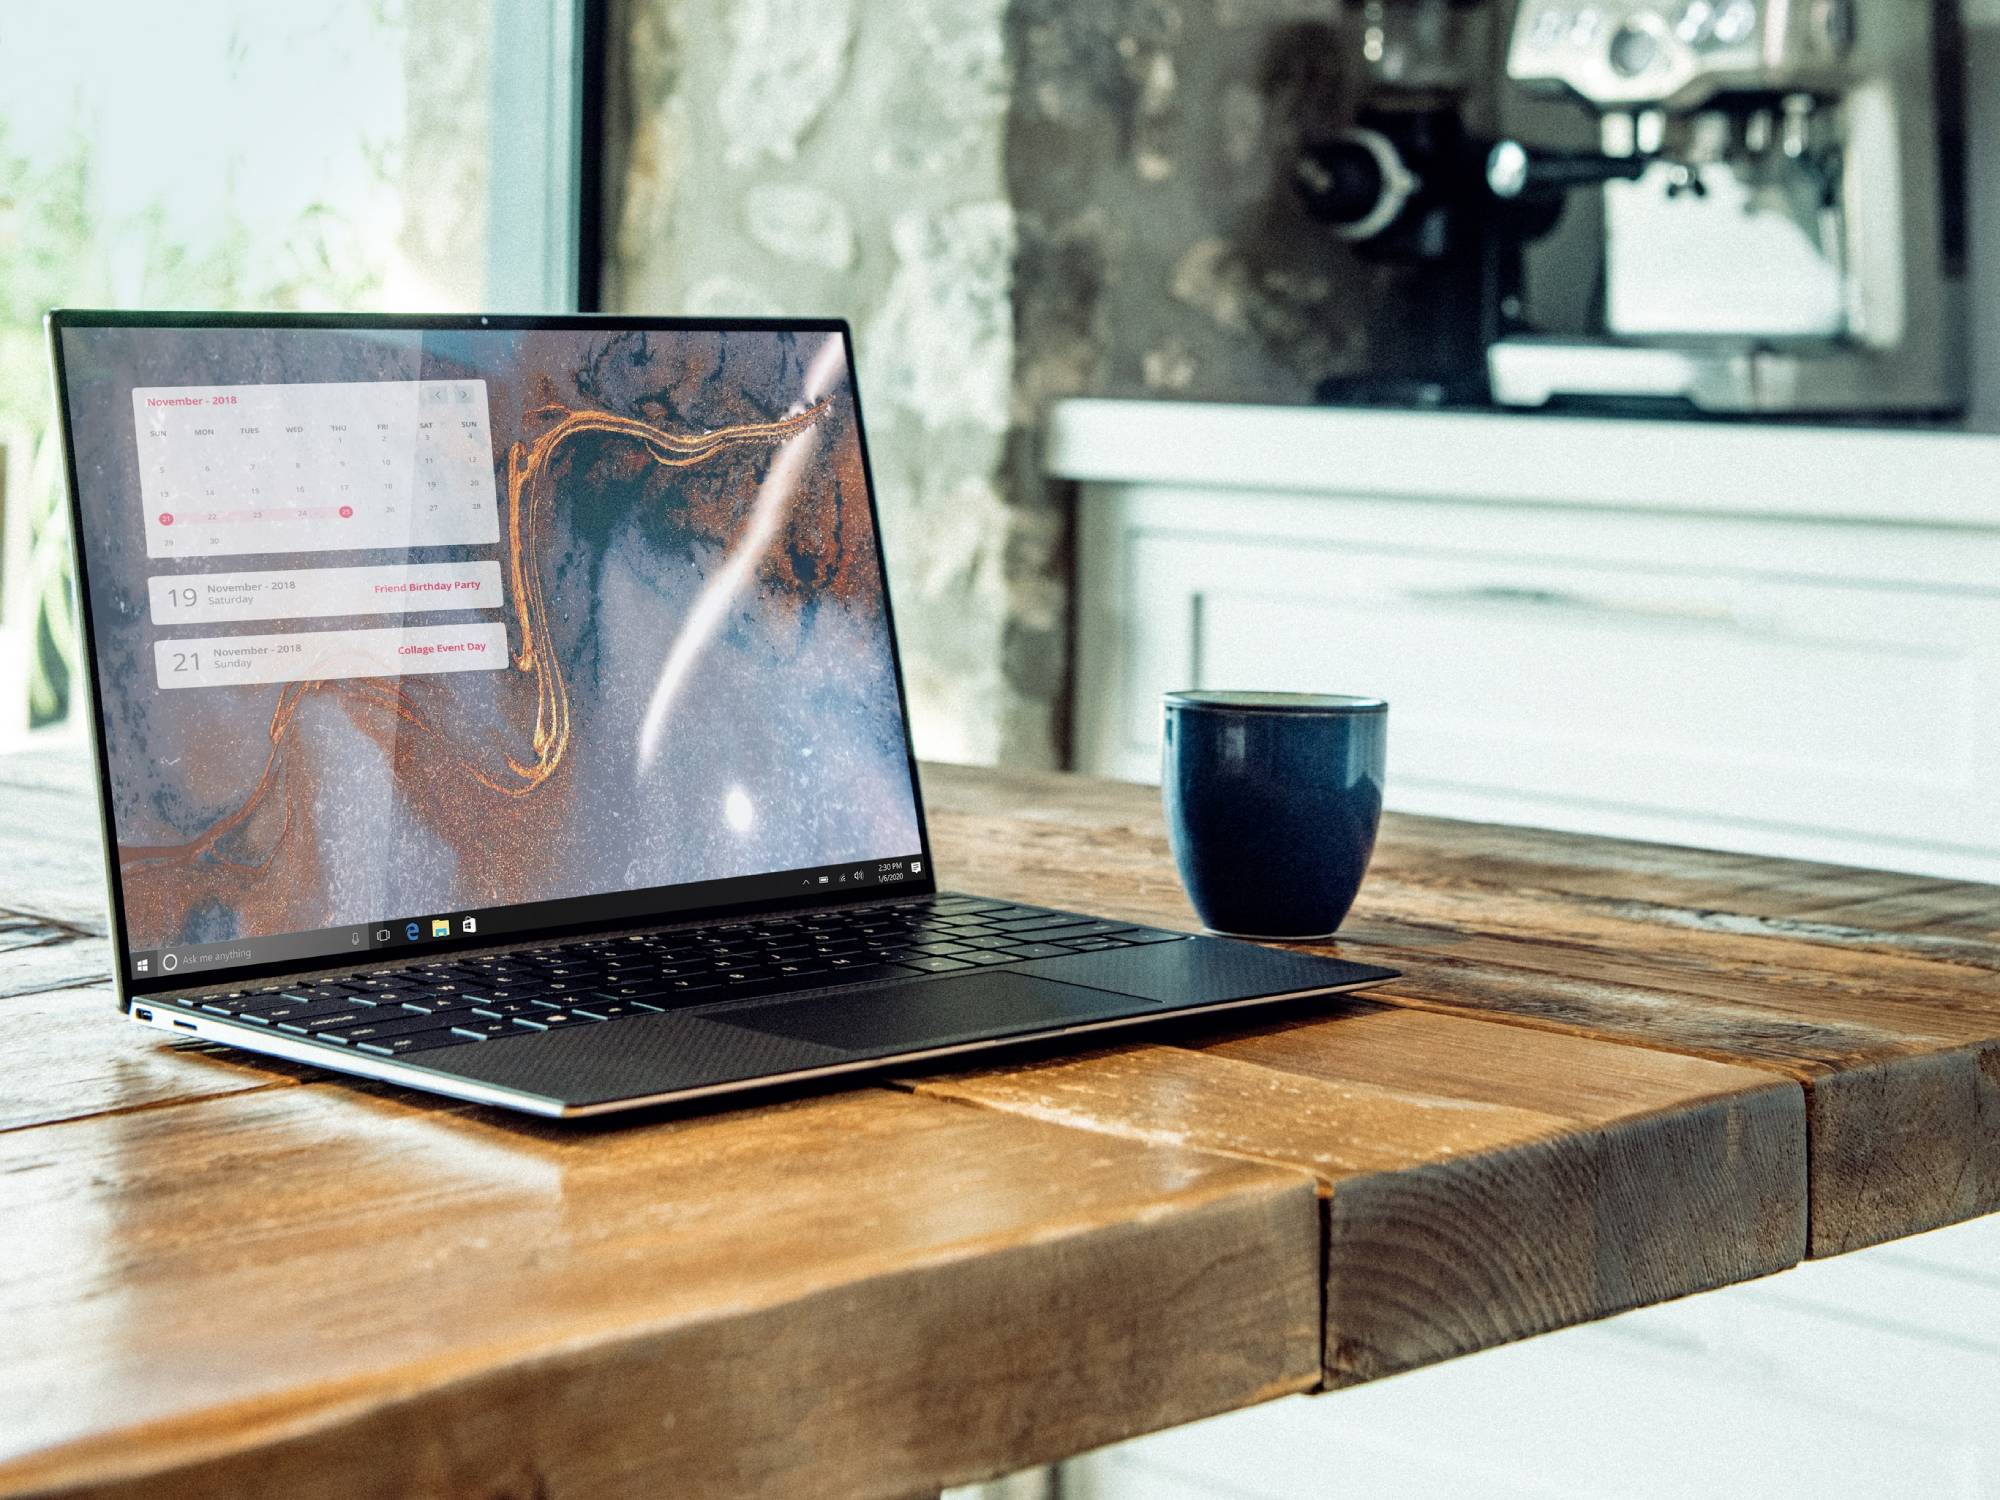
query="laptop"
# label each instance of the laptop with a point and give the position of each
(509, 708)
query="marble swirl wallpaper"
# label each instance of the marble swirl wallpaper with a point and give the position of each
(698, 679)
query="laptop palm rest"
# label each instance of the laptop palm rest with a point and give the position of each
(941, 1013)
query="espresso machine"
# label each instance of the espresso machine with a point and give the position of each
(1783, 205)
(1399, 182)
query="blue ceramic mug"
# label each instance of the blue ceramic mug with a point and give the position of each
(1273, 800)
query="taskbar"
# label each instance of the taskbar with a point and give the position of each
(193, 964)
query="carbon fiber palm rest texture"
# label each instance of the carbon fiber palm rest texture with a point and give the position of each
(647, 1056)
(631, 1059)
(1203, 971)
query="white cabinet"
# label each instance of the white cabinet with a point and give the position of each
(1824, 687)
(1775, 640)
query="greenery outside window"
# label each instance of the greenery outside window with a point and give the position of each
(396, 155)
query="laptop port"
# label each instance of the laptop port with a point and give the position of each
(185, 1025)
(143, 1014)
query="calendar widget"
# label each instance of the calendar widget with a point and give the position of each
(315, 467)
(301, 593)
(318, 656)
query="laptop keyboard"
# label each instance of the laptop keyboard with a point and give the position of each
(461, 1001)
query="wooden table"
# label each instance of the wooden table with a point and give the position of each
(1613, 1074)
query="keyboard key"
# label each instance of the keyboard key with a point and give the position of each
(478, 1029)
(658, 997)
(303, 1018)
(551, 1020)
(1037, 950)
(266, 1004)
(937, 965)
(422, 1041)
(382, 983)
(368, 1031)
(1069, 927)
(345, 993)
(430, 1003)
(691, 986)
(485, 1006)
(608, 1010)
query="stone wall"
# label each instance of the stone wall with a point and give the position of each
(841, 157)
(1014, 201)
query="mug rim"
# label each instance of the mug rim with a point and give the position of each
(1252, 702)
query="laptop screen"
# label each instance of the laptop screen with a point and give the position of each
(408, 635)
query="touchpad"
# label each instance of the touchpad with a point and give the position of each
(940, 1013)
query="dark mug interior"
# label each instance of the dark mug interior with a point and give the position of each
(1272, 801)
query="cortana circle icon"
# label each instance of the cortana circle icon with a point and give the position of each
(410, 932)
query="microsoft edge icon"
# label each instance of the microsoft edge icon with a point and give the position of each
(410, 932)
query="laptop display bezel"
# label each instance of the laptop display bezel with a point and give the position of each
(129, 986)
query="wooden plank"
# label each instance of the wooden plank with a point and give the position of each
(1880, 902)
(72, 1054)
(319, 1292)
(877, 1293)
(1894, 1029)
(54, 867)
(1582, 867)
(1485, 1182)
(35, 956)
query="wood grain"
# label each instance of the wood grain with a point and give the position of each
(35, 956)
(1613, 1074)
(72, 1054)
(316, 1292)
(49, 830)
(1484, 1182)
(1878, 992)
